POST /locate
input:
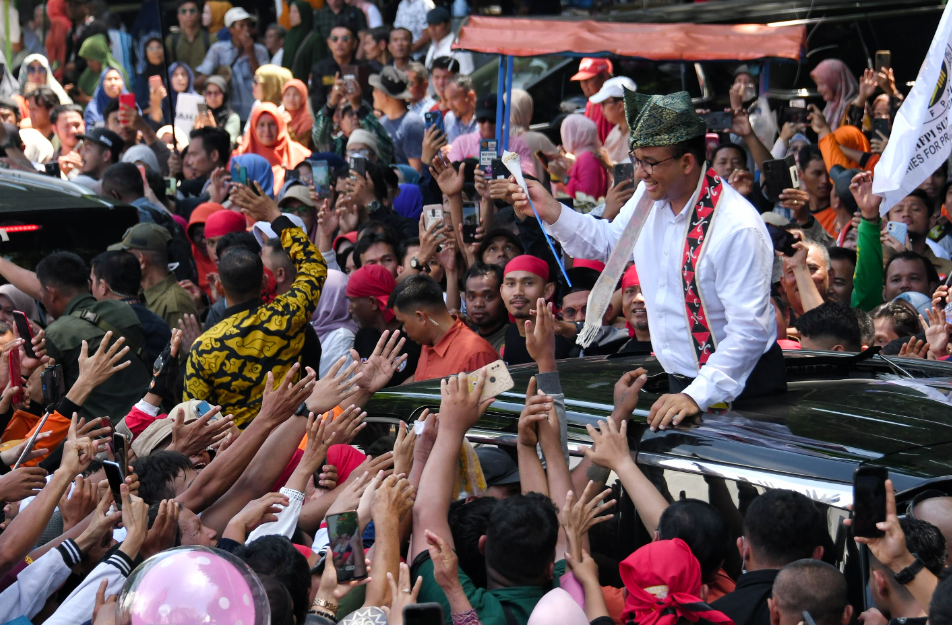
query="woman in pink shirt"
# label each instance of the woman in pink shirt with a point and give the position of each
(589, 174)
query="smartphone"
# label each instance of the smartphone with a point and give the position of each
(796, 111)
(356, 75)
(869, 500)
(346, 546)
(119, 449)
(155, 81)
(116, 476)
(883, 60)
(16, 378)
(357, 164)
(433, 213)
(780, 174)
(499, 171)
(498, 380)
(32, 441)
(239, 175)
(202, 408)
(292, 174)
(623, 171)
(423, 614)
(171, 186)
(434, 118)
(470, 221)
(202, 108)
(898, 230)
(782, 240)
(127, 99)
(880, 125)
(52, 169)
(718, 121)
(54, 384)
(351, 81)
(25, 332)
(322, 178)
(487, 152)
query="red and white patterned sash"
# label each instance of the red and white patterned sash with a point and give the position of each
(699, 224)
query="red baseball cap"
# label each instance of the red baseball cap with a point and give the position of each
(590, 67)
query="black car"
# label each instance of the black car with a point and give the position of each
(40, 214)
(841, 411)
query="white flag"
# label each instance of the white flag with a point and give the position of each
(920, 140)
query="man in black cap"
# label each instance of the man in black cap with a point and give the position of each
(391, 97)
(99, 149)
(711, 260)
(440, 29)
(501, 473)
(499, 246)
(467, 146)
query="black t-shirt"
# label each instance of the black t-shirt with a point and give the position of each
(634, 346)
(365, 341)
(514, 350)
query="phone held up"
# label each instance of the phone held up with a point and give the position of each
(115, 475)
(25, 332)
(623, 171)
(470, 221)
(346, 546)
(782, 240)
(869, 500)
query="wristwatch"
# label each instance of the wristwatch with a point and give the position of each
(416, 264)
(374, 206)
(909, 573)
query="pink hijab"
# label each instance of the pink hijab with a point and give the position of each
(837, 76)
(579, 135)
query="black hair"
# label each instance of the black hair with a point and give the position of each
(282, 31)
(44, 96)
(156, 184)
(123, 178)
(63, 270)
(830, 320)
(181, 3)
(495, 233)
(727, 145)
(382, 177)
(696, 146)
(904, 321)
(702, 527)
(242, 239)
(419, 290)
(405, 245)
(342, 24)
(93, 466)
(111, 108)
(842, 253)
(932, 276)
(119, 269)
(380, 33)
(277, 250)
(213, 140)
(372, 226)
(806, 155)
(365, 242)
(813, 586)
(583, 279)
(924, 197)
(156, 473)
(925, 540)
(940, 610)
(447, 63)
(521, 537)
(408, 31)
(481, 269)
(867, 329)
(784, 526)
(277, 557)
(64, 108)
(469, 520)
(279, 600)
(240, 272)
(9, 103)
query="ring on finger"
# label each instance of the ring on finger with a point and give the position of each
(406, 591)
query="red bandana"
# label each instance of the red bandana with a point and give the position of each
(532, 264)
(373, 281)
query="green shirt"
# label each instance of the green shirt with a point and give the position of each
(868, 277)
(169, 301)
(520, 600)
(192, 53)
(64, 340)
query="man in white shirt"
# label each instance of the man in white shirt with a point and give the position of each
(441, 35)
(612, 98)
(411, 15)
(703, 257)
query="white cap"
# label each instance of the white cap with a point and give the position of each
(236, 15)
(614, 88)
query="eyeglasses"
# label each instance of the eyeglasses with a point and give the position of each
(645, 165)
(344, 38)
(36, 70)
(154, 47)
(297, 210)
(188, 11)
(570, 313)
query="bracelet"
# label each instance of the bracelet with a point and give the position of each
(324, 613)
(323, 604)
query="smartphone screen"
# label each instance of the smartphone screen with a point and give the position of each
(869, 500)
(623, 171)
(782, 240)
(119, 449)
(30, 443)
(171, 186)
(346, 546)
(23, 329)
(114, 474)
(423, 614)
(322, 178)
(470, 221)
(239, 175)
(488, 151)
(54, 384)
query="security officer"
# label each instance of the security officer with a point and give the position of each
(64, 285)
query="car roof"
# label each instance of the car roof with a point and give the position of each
(840, 411)
(20, 190)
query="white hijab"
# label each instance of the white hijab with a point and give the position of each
(51, 81)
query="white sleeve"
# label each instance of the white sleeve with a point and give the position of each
(34, 584)
(331, 259)
(584, 236)
(779, 149)
(321, 540)
(287, 518)
(374, 19)
(79, 605)
(751, 326)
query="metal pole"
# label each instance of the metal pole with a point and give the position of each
(508, 112)
(165, 77)
(499, 86)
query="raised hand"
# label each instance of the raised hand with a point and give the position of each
(77, 452)
(937, 331)
(460, 406)
(258, 206)
(548, 207)
(536, 409)
(383, 362)
(101, 522)
(349, 496)
(914, 348)
(277, 404)
(540, 336)
(335, 387)
(818, 121)
(196, 436)
(164, 531)
(450, 180)
(190, 330)
(867, 87)
(618, 196)
(610, 444)
(96, 369)
(315, 452)
(393, 499)
(579, 516)
(346, 426)
(79, 503)
(22, 483)
(626, 392)
(403, 449)
(445, 564)
(262, 510)
(741, 181)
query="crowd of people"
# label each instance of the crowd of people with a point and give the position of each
(301, 191)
